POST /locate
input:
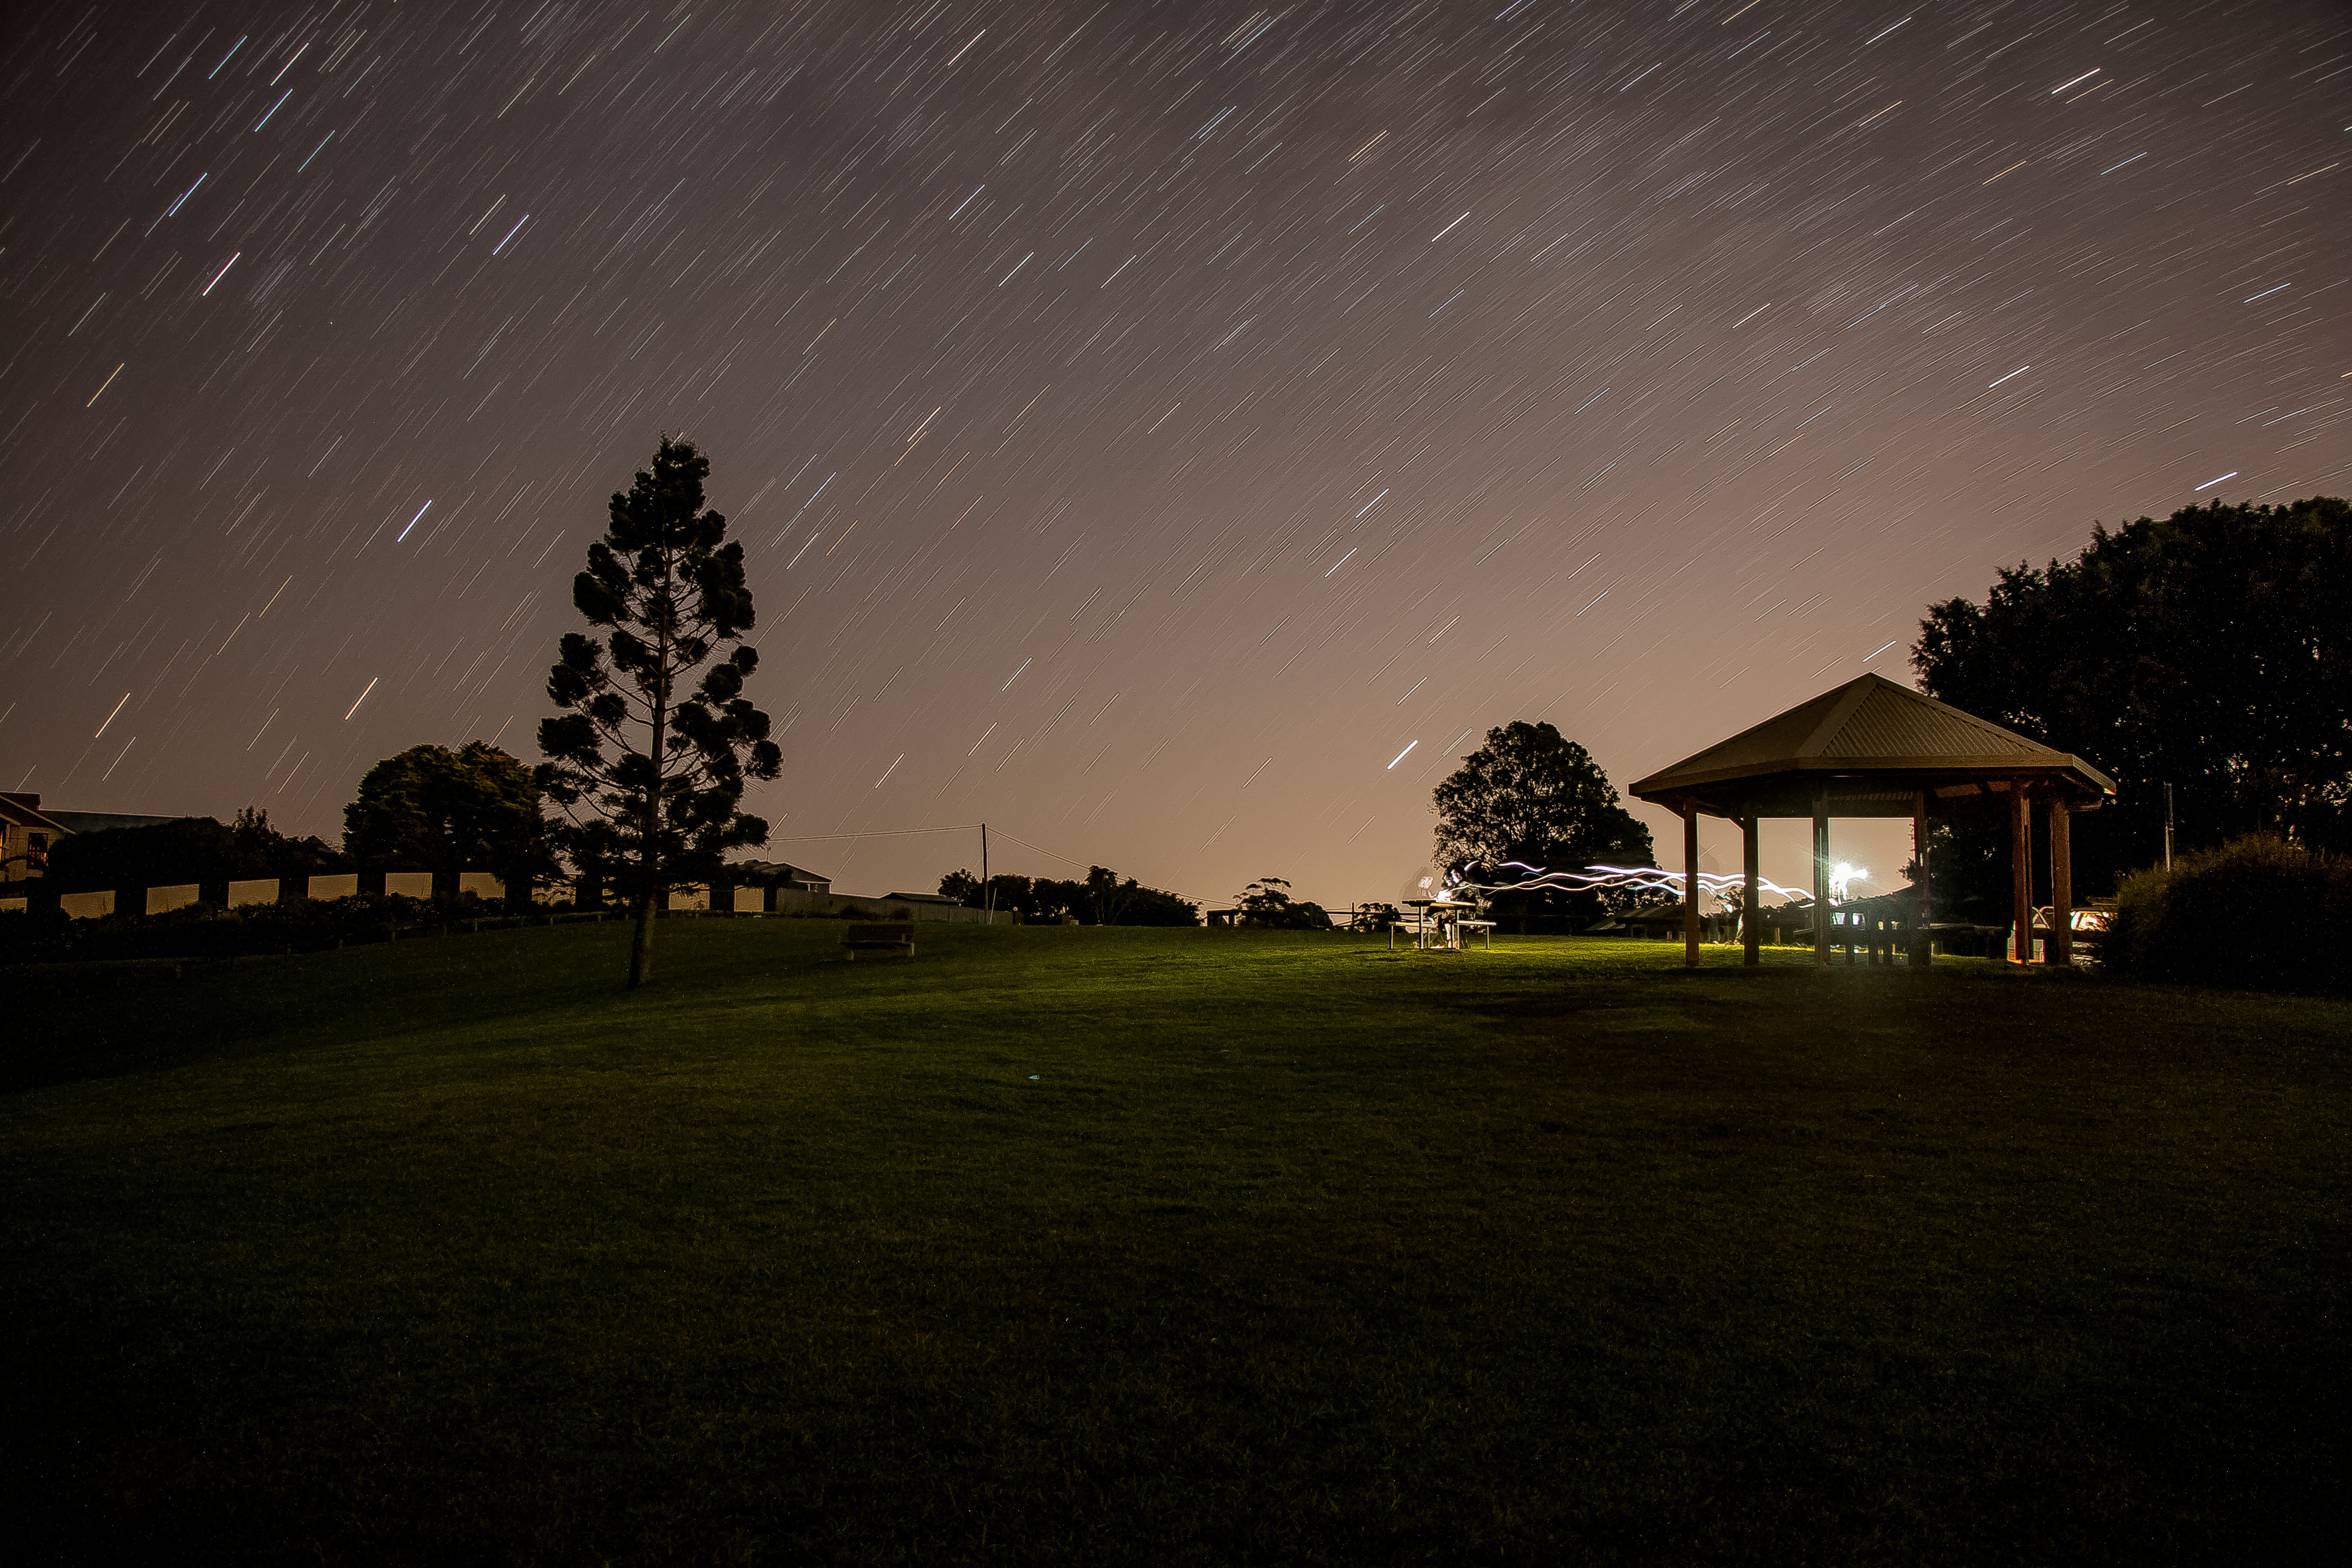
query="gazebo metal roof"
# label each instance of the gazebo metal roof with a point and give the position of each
(1874, 746)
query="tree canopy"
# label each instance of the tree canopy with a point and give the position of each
(1534, 796)
(433, 809)
(1268, 904)
(664, 804)
(2211, 650)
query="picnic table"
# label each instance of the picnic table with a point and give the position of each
(1439, 927)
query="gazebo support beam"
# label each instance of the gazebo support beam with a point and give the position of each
(2061, 883)
(1751, 931)
(1822, 876)
(1923, 915)
(2020, 871)
(1690, 886)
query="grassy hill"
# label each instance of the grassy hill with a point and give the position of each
(1100, 1244)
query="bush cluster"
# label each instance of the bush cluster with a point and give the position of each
(2256, 912)
(302, 925)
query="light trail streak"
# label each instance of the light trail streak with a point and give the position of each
(1593, 878)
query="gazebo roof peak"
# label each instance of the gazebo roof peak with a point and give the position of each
(1872, 725)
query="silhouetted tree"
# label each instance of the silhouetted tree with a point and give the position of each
(433, 809)
(665, 805)
(1531, 796)
(1105, 895)
(1268, 904)
(263, 851)
(1103, 899)
(1157, 907)
(2209, 651)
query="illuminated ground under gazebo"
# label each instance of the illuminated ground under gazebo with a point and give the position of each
(1871, 748)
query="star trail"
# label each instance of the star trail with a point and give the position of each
(1154, 428)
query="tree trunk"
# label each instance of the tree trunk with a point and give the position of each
(641, 947)
(641, 943)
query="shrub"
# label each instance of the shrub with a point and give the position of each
(2256, 912)
(199, 932)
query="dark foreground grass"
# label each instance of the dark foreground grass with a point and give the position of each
(1094, 1246)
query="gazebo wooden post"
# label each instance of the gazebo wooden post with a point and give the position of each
(1690, 886)
(1822, 875)
(2020, 871)
(1751, 914)
(1923, 917)
(2062, 884)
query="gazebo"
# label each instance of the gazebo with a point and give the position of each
(1871, 748)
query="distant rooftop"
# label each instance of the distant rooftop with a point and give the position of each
(18, 805)
(105, 821)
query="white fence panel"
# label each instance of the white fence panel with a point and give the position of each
(162, 901)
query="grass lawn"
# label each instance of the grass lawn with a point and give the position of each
(1088, 1246)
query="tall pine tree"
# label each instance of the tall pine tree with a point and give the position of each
(651, 782)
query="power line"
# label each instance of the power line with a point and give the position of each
(1049, 855)
(883, 833)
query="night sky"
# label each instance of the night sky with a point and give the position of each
(1144, 421)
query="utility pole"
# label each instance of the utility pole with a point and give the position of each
(987, 889)
(2167, 827)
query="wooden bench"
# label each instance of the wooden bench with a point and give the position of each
(879, 938)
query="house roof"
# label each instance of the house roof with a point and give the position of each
(1871, 742)
(780, 871)
(25, 811)
(107, 821)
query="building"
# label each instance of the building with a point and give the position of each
(27, 834)
(923, 899)
(777, 874)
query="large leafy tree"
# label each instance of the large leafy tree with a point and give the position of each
(1532, 795)
(649, 773)
(1268, 903)
(263, 851)
(433, 809)
(2209, 651)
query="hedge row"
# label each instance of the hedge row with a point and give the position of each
(304, 925)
